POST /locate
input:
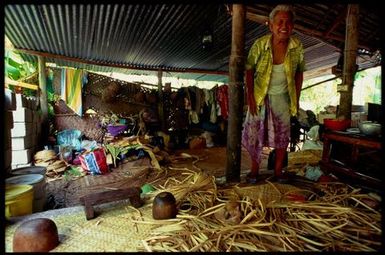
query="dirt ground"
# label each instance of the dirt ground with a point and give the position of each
(66, 193)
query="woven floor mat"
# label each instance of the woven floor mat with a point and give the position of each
(112, 231)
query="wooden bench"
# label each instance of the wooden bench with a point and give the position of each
(92, 199)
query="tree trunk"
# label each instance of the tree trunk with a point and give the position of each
(236, 71)
(349, 68)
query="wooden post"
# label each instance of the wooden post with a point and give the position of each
(349, 68)
(160, 101)
(43, 99)
(236, 72)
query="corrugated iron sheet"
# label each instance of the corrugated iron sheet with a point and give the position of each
(151, 36)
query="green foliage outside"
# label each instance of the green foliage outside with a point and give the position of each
(16, 69)
(367, 89)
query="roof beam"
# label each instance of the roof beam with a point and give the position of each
(336, 22)
(261, 19)
(97, 63)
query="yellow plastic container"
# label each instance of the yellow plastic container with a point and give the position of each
(18, 200)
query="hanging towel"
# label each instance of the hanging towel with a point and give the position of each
(71, 88)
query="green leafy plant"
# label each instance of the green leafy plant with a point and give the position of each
(114, 151)
(16, 68)
(72, 172)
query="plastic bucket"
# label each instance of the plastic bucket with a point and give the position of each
(38, 183)
(30, 170)
(18, 200)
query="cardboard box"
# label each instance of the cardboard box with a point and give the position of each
(322, 116)
(357, 117)
(22, 115)
(21, 156)
(21, 101)
(22, 143)
(21, 129)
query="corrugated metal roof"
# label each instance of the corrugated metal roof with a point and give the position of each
(167, 36)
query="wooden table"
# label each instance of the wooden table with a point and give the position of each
(357, 142)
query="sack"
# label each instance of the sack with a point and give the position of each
(94, 162)
(197, 143)
(70, 137)
(250, 135)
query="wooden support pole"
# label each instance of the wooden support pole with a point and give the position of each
(349, 68)
(160, 100)
(43, 99)
(236, 71)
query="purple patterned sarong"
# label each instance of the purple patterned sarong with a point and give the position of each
(270, 127)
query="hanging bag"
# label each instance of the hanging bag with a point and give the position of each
(250, 134)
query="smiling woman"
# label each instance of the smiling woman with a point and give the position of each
(274, 75)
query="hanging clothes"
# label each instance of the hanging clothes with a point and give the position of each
(195, 104)
(223, 100)
(72, 81)
(211, 103)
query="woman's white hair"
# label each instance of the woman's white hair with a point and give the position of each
(281, 8)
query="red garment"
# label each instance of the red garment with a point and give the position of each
(223, 100)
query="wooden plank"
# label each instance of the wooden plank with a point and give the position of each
(43, 89)
(92, 199)
(332, 167)
(21, 84)
(350, 139)
(43, 102)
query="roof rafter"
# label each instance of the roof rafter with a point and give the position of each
(93, 62)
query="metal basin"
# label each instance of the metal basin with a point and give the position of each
(370, 128)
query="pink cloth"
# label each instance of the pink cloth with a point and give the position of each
(223, 99)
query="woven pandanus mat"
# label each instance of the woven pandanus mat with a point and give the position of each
(113, 230)
(304, 157)
(267, 192)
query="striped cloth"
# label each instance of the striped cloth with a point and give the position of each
(71, 88)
